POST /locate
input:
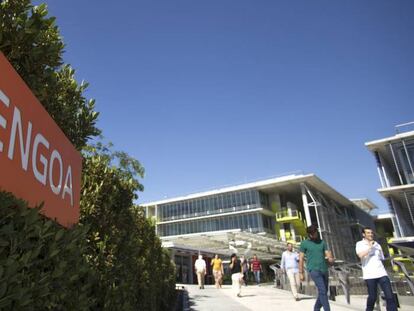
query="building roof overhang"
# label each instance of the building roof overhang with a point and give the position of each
(364, 203)
(380, 143)
(396, 189)
(384, 216)
(267, 185)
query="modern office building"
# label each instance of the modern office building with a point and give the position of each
(257, 218)
(395, 164)
(394, 156)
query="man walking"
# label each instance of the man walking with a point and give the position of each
(373, 270)
(200, 268)
(290, 265)
(256, 268)
(315, 251)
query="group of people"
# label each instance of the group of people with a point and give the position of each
(318, 258)
(239, 270)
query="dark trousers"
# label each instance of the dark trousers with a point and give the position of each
(385, 284)
(321, 281)
(245, 277)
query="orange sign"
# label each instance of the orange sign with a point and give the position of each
(37, 162)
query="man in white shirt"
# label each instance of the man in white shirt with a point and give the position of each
(289, 264)
(373, 271)
(200, 268)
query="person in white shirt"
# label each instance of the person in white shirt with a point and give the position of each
(200, 268)
(373, 271)
(290, 265)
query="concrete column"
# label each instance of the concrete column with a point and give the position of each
(292, 232)
(305, 205)
(282, 234)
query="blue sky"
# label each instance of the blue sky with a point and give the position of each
(213, 93)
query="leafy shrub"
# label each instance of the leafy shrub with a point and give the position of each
(41, 263)
(113, 260)
(135, 273)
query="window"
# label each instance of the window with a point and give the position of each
(243, 198)
(254, 221)
(264, 200)
(174, 210)
(198, 206)
(237, 222)
(244, 223)
(221, 201)
(238, 199)
(213, 224)
(215, 204)
(207, 225)
(191, 208)
(167, 211)
(231, 222)
(222, 223)
(407, 162)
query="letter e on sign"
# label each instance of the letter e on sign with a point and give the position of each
(38, 163)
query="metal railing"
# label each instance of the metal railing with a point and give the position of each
(397, 127)
(288, 213)
(218, 212)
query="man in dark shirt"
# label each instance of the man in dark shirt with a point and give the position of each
(315, 251)
(236, 275)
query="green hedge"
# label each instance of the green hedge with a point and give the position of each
(41, 264)
(46, 267)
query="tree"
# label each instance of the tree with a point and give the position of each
(123, 266)
(114, 252)
(134, 270)
(32, 43)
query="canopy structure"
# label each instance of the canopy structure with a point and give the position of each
(225, 243)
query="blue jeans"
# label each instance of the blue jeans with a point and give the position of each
(321, 281)
(257, 276)
(385, 284)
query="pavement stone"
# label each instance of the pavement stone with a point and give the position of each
(266, 297)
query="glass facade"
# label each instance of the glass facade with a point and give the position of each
(182, 268)
(215, 204)
(407, 160)
(253, 222)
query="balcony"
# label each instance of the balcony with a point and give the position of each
(288, 216)
(211, 212)
(294, 218)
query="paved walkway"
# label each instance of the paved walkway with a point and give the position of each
(264, 298)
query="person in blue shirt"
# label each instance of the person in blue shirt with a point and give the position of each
(290, 265)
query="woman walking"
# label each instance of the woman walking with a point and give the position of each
(217, 265)
(236, 275)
